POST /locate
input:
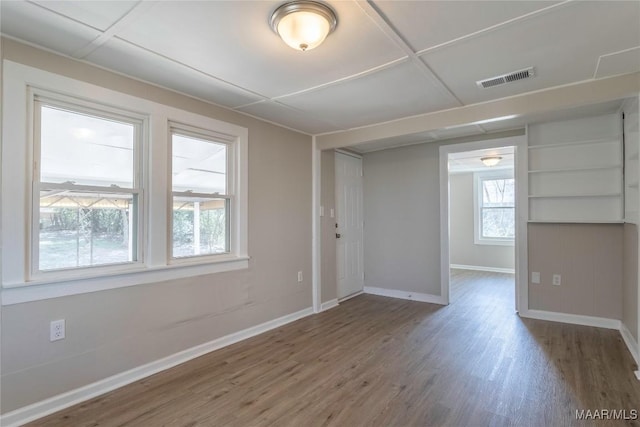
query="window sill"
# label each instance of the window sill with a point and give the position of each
(36, 290)
(490, 242)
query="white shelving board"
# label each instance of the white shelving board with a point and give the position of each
(576, 170)
(631, 152)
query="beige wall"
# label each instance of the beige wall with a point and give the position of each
(462, 248)
(630, 280)
(402, 219)
(329, 289)
(112, 331)
(589, 259)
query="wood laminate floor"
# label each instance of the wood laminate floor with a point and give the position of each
(376, 361)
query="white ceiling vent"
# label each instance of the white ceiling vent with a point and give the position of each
(506, 78)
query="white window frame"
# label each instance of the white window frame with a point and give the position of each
(140, 122)
(20, 82)
(219, 138)
(478, 177)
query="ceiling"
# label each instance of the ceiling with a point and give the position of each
(469, 161)
(386, 60)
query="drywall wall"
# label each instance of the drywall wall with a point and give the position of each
(329, 289)
(110, 332)
(630, 280)
(462, 248)
(402, 219)
(589, 259)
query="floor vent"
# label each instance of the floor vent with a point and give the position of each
(506, 78)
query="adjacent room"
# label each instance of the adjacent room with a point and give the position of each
(341, 213)
(482, 226)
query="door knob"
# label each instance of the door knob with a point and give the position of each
(338, 235)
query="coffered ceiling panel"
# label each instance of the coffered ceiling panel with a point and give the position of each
(97, 14)
(398, 91)
(424, 24)
(233, 40)
(290, 117)
(563, 46)
(368, 71)
(627, 61)
(32, 23)
(144, 65)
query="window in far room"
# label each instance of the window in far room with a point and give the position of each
(494, 208)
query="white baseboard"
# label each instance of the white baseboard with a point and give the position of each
(631, 343)
(480, 268)
(329, 305)
(574, 319)
(414, 296)
(56, 403)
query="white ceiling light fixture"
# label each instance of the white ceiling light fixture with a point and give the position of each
(303, 25)
(491, 160)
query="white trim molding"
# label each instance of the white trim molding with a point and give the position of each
(574, 319)
(56, 403)
(328, 305)
(22, 85)
(480, 268)
(631, 343)
(413, 296)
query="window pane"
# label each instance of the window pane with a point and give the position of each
(498, 223)
(199, 165)
(498, 192)
(200, 226)
(82, 230)
(84, 149)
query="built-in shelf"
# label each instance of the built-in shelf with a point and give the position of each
(615, 138)
(576, 171)
(584, 169)
(565, 196)
(579, 221)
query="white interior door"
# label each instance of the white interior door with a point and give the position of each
(349, 230)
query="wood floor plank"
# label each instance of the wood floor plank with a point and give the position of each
(376, 361)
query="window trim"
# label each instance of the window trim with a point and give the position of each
(478, 177)
(19, 83)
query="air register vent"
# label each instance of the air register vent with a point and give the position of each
(506, 78)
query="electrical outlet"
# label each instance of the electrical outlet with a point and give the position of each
(57, 330)
(535, 277)
(299, 276)
(557, 279)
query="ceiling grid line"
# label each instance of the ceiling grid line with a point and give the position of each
(495, 27)
(385, 26)
(140, 8)
(344, 79)
(182, 64)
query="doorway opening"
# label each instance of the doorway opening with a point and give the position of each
(481, 231)
(482, 225)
